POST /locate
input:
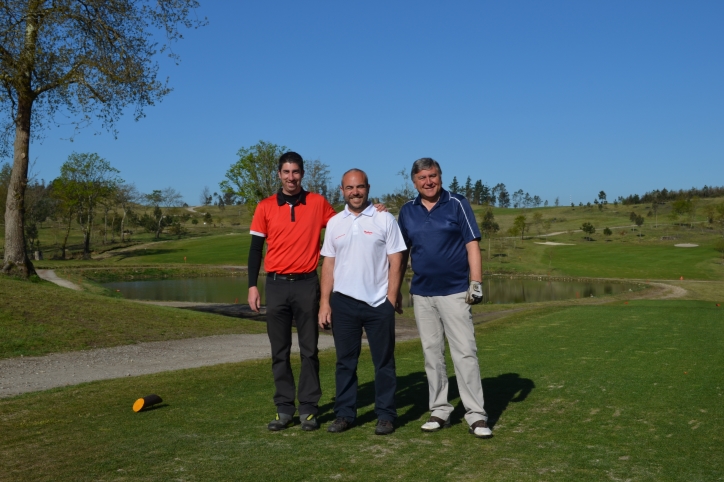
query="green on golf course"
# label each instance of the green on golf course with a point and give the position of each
(621, 391)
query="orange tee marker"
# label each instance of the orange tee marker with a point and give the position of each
(681, 278)
(146, 402)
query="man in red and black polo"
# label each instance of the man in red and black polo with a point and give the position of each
(291, 222)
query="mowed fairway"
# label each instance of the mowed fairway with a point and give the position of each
(623, 391)
(608, 260)
(231, 249)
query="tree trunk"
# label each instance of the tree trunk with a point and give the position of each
(16, 261)
(67, 233)
(123, 226)
(87, 236)
(113, 226)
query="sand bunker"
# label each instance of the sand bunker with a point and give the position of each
(686, 245)
(551, 243)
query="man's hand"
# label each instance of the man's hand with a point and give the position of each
(381, 208)
(475, 293)
(398, 303)
(325, 316)
(254, 299)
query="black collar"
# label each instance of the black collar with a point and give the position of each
(281, 201)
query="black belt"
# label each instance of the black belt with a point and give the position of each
(292, 276)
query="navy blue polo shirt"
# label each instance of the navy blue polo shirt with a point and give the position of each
(436, 240)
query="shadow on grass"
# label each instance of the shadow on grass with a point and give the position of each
(412, 398)
(411, 392)
(498, 392)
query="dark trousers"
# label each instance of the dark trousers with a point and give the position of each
(299, 300)
(349, 317)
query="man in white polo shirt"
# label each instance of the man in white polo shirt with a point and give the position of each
(361, 277)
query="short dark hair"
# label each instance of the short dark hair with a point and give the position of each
(423, 164)
(354, 169)
(292, 158)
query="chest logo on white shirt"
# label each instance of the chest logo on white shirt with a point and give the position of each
(341, 235)
(368, 232)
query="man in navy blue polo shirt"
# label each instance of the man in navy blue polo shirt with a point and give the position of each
(442, 238)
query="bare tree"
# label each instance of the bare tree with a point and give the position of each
(126, 195)
(205, 196)
(162, 200)
(316, 177)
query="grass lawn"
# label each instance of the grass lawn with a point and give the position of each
(620, 258)
(609, 260)
(232, 248)
(624, 391)
(40, 318)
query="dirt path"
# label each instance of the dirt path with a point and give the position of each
(49, 275)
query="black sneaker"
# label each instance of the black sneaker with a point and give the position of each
(280, 422)
(309, 422)
(384, 427)
(339, 425)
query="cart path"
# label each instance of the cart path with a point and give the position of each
(30, 374)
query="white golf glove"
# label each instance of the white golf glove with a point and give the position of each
(474, 294)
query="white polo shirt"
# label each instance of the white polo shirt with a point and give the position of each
(360, 244)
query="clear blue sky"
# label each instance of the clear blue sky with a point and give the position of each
(558, 98)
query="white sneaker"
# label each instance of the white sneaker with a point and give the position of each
(480, 429)
(434, 424)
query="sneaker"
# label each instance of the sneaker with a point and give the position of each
(309, 422)
(434, 424)
(339, 425)
(480, 429)
(280, 422)
(384, 427)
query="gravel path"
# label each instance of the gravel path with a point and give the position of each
(29, 374)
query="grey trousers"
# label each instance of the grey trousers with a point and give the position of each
(449, 316)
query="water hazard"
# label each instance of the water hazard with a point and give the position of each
(496, 289)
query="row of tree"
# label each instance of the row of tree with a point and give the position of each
(664, 195)
(88, 187)
(481, 194)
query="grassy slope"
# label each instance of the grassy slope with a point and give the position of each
(40, 318)
(617, 259)
(621, 391)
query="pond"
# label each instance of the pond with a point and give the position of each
(496, 289)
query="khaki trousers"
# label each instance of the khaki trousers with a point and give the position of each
(449, 316)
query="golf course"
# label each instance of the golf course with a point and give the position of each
(620, 387)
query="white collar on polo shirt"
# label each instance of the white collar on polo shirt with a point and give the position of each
(369, 210)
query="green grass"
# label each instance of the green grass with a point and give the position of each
(611, 392)
(622, 257)
(608, 260)
(232, 248)
(40, 318)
